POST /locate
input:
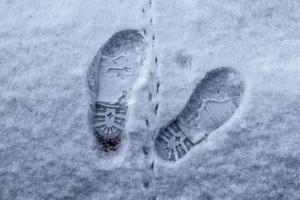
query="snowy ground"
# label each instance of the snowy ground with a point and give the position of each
(46, 48)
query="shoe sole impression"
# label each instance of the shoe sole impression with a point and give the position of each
(118, 65)
(212, 103)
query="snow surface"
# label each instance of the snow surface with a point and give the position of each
(46, 145)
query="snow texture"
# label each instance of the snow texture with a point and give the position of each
(46, 143)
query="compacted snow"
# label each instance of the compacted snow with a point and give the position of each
(47, 148)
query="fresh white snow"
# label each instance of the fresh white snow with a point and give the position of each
(46, 144)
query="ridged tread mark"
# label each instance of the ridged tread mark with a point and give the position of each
(177, 144)
(109, 118)
(218, 111)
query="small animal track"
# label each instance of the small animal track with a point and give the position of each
(110, 79)
(212, 103)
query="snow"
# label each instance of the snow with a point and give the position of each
(46, 144)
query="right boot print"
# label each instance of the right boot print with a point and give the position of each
(212, 103)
